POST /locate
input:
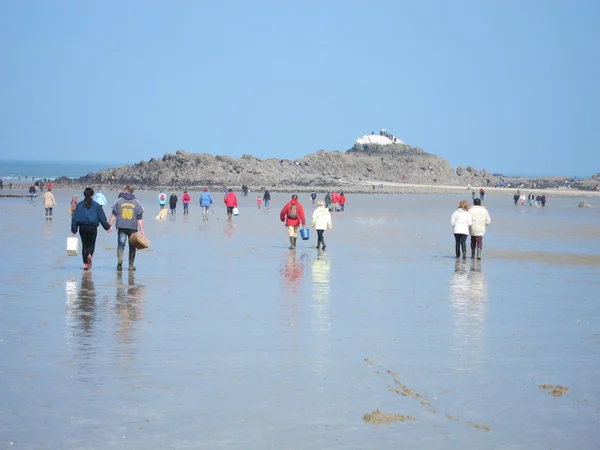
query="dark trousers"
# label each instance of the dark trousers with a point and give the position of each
(88, 240)
(460, 242)
(476, 241)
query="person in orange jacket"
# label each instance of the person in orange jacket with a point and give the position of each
(292, 215)
(230, 202)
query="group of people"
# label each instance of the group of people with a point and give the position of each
(481, 194)
(334, 201)
(127, 215)
(530, 199)
(292, 215)
(473, 222)
(390, 136)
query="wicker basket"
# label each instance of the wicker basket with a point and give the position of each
(139, 241)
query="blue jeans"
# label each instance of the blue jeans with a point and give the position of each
(123, 238)
(185, 208)
(267, 203)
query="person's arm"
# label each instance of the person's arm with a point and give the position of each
(282, 213)
(488, 219)
(141, 226)
(453, 219)
(74, 223)
(102, 218)
(302, 216)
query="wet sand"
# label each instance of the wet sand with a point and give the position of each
(223, 338)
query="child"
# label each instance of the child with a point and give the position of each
(259, 201)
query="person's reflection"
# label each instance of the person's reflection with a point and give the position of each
(128, 309)
(81, 312)
(321, 281)
(468, 293)
(292, 273)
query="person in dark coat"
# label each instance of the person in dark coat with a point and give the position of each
(173, 202)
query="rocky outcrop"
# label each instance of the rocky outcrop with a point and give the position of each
(354, 170)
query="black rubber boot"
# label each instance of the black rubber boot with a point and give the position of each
(119, 259)
(131, 258)
(294, 245)
(323, 243)
(291, 243)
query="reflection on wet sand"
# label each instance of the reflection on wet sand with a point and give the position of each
(555, 259)
(291, 273)
(468, 294)
(81, 315)
(128, 311)
(320, 326)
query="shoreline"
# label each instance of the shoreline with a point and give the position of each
(365, 188)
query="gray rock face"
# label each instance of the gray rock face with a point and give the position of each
(355, 170)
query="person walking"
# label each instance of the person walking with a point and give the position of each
(205, 202)
(73, 204)
(87, 216)
(342, 200)
(480, 219)
(321, 220)
(461, 221)
(292, 215)
(259, 201)
(31, 192)
(49, 203)
(267, 199)
(173, 202)
(186, 199)
(328, 200)
(543, 202)
(313, 196)
(128, 213)
(162, 200)
(230, 202)
(100, 198)
(335, 198)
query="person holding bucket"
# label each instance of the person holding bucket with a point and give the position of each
(321, 219)
(86, 217)
(292, 215)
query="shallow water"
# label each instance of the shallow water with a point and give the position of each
(224, 338)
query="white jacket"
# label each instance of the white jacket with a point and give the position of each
(481, 219)
(461, 221)
(321, 218)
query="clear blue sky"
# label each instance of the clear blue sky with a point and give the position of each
(507, 85)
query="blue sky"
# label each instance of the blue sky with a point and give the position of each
(509, 86)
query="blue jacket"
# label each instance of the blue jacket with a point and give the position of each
(92, 216)
(205, 199)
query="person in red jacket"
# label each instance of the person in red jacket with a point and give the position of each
(342, 200)
(230, 202)
(292, 215)
(185, 198)
(335, 199)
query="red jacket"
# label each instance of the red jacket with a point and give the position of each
(342, 199)
(335, 197)
(185, 198)
(230, 200)
(293, 222)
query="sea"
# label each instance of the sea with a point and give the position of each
(224, 338)
(11, 170)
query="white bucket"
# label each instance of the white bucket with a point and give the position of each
(236, 212)
(73, 246)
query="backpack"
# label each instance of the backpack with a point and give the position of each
(293, 212)
(162, 197)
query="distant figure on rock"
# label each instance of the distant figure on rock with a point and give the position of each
(267, 199)
(480, 220)
(186, 199)
(205, 202)
(230, 202)
(173, 202)
(321, 220)
(162, 200)
(461, 221)
(342, 200)
(292, 215)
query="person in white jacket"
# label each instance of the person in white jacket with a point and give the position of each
(461, 221)
(480, 220)
(321, 219)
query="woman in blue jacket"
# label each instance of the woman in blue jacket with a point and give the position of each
(87, 216)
